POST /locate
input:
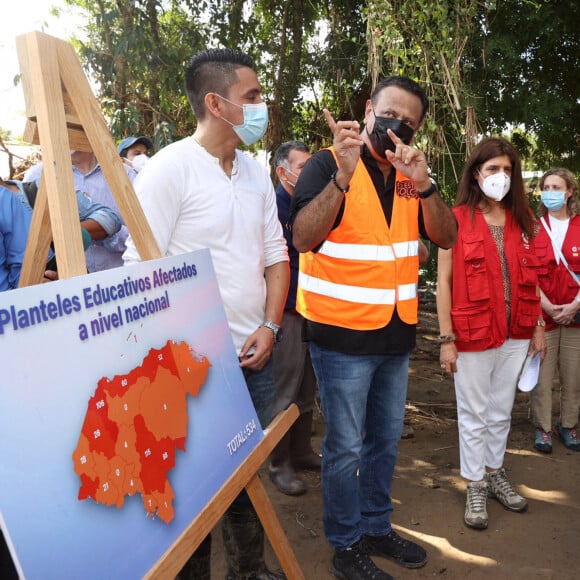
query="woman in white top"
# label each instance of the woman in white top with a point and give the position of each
(560, 298)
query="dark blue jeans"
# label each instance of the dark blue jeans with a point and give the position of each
(363, 402)
(262, 391)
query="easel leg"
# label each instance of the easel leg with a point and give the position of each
(273, 529)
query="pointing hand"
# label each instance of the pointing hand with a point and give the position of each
(347, 142)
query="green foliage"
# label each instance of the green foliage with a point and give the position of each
(281, 57)
(425, 40)
(485, 65)
(135, 53)
(522, 71)
(314, 57)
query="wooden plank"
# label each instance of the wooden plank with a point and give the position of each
(38, 242)
(77, 138)
(76, 134)
(38, 54)
(177, 555)
(93, 122)
(273, 528)
(28, 89)
(25, 77)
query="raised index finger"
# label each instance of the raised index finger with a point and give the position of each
(330, 120)
(394, 138)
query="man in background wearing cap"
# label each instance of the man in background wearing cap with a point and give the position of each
(134, 151)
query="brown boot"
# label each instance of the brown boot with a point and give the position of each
(281, 471)
(301, 453)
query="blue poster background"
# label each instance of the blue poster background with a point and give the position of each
(48, 376)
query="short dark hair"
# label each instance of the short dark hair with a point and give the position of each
(406, 84)
(212, 71)
(283, 152)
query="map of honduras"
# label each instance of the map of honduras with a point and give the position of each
(132, 427)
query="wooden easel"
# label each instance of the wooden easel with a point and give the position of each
(63, 114)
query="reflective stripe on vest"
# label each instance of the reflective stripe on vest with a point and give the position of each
(369, 252)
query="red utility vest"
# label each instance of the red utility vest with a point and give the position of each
(364, 268)
(555, 281)
(478, 307)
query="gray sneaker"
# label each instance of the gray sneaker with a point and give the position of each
(475, 506)
(502, 490)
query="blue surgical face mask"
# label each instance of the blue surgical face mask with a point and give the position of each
(554, 200)
(255, 122)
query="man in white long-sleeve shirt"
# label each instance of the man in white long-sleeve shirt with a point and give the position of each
(202, 192)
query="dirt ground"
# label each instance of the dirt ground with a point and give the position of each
(429, 495)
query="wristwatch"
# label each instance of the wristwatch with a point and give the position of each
(428, 192)
(274, 328)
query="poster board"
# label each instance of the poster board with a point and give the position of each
(119, 418)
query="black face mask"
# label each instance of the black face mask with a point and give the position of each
(381, 141)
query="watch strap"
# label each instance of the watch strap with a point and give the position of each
(272, 326)
(428, 192)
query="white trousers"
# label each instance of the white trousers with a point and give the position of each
(485, 388)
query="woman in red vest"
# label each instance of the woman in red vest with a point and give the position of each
(558, 251)
(488, 305)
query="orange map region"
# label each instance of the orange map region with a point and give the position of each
(133, 425)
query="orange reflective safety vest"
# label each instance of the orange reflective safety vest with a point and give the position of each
(364, 268)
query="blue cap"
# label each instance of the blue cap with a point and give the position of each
(130, 141)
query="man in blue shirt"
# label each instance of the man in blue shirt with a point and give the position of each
(293, 373)
(97, 219)
(90, 179)
(15, 220)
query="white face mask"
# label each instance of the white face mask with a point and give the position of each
(139, 162)
(496, 186)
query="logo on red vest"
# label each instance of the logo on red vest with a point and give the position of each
(526, 241)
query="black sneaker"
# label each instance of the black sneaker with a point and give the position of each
(394, 547)
(355, 564)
